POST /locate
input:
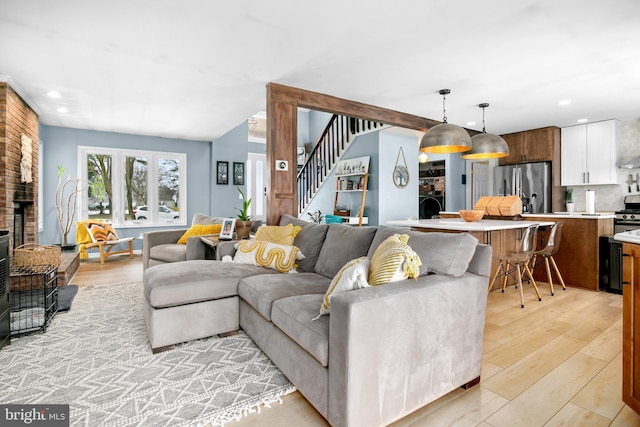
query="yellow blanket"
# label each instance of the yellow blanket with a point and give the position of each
(83, 238)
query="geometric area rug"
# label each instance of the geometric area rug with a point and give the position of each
(96, 358)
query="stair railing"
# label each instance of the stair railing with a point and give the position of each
(333, 141)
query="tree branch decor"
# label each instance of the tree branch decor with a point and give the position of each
(66, 202)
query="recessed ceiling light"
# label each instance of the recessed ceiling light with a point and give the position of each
(54, 94)
(583, 120)
(471, 123)
(62, 110)
(564, 102)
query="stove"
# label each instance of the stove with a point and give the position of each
(629, 217)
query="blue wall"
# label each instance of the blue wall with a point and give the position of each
(364, 145)
(231, 147)
(60, 147)
(394, 202)
(317, 122)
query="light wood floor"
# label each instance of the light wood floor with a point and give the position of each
(554, 363)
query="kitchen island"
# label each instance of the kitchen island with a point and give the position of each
(578, 258)
(502, 235)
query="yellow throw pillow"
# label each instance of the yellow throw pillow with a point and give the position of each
(101, 231)
(280, 234)
(394, 260)
(353, 275)
(199, 230)
(266, 254)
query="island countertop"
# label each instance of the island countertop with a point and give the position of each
(556, 215)
(458, 224)
(574, 215)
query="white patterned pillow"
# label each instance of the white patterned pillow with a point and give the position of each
(266, 254)
(353, 275)
(394, 260)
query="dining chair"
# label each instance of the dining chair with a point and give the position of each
(518, 261)
(547, 252)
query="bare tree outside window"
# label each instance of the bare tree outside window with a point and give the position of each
(169, 182)
(133, 186)
(99, 186)
(136, 184)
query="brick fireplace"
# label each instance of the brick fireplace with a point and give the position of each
(18, 200)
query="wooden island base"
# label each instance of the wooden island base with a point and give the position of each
(578, 258)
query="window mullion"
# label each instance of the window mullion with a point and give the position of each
(152, 188)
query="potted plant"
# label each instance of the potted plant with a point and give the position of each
(66, 203)
(243, 223)
(570, 204)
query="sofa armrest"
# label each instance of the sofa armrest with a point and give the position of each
(396, 347)
(195, 248)
(226, 248)
(154, 238)
(481, 261)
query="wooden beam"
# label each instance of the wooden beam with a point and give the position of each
(282, 116)
(332, 104)
(282, 125)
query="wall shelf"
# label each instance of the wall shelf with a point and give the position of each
(352, 176)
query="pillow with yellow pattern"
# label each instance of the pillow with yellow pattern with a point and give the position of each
(199, 230)
(280, 234)
(101, 231)
(266, 254)
(394, 260)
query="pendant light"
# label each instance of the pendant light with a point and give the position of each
(486, 145)
(445, 138)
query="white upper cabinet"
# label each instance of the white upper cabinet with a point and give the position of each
(589, 154)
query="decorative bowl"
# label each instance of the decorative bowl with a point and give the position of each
(471, 216)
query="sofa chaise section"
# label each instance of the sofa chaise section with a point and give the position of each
(194, 299)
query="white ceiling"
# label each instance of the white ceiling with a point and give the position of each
(196, 69)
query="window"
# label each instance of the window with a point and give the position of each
(121, 185)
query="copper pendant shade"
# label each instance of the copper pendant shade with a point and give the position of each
(445, 137)
(486, 145)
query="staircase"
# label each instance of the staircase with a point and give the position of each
(334, 141)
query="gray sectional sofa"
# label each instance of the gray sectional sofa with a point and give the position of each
(381, 353)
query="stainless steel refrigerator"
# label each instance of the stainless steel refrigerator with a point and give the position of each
(529, 181)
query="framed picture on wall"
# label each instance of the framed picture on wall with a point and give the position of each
(238, 173)
(223, 173)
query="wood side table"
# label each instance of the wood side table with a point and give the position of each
(210, 246)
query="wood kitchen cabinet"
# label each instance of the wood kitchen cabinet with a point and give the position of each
(578, 257)
(589, 154)
(631, 326)
(535, 145)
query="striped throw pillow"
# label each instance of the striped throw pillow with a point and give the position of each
(280, 234)
(394, 260)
